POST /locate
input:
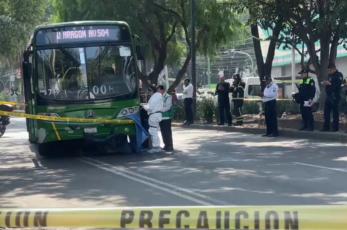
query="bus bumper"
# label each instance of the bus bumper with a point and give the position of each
(55, 131)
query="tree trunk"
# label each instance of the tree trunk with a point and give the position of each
(333, 49)
(264, 69)
(272, 47)
(181, 72)
(258, 53)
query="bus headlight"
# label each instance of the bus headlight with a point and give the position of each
(128, 111)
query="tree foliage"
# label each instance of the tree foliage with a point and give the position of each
(17, 21)
(263, 14)
(162, 25)
(319, 24)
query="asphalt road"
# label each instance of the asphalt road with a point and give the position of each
(208, 168)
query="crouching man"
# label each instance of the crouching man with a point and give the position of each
(154, 109)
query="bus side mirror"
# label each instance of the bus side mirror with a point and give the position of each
(26, 74)
(139, 53)
(26, 65)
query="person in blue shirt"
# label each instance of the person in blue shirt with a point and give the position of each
(270, 94)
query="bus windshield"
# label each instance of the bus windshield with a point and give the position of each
(86, 73)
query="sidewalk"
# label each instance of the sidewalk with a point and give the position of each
(284, 132)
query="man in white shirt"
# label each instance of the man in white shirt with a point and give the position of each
(188, 101)
(269, 99)
(154, 109)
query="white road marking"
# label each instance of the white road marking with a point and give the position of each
(321, 167)
(154, 183)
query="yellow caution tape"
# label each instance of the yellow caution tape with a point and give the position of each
(260, 99)
(67, 119)
(8, 103)
(220, 217)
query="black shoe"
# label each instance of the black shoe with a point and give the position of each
(273, 135)
(335, 130)
(168, 149)
(324, 130)
(267, 135)
(220, 123)
(310, 129)
(302, 128)
(229, 124)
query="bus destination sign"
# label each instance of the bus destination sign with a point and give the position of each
(77, 35)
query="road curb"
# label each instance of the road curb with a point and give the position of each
(292, 133)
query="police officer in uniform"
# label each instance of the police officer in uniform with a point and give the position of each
(222, 90)
(269, 99)
(333, 96)
(238, 95)
(307, 91)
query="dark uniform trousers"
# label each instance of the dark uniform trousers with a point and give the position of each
(271, 117)
(331, 106)
(238, 111)
(224, 110)
(188, 108)
(307, 117)
(166, 133)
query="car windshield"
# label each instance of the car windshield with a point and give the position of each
(86, 73)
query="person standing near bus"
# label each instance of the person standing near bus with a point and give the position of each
(238, 93)
(188, 90)
(269, 99)
(222, 90)
(165, 124)
(154, 109)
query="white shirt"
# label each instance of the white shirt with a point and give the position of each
(270, 92)
(188, 91)
(155, 104)
(317, 93)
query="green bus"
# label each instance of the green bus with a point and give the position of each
(83, 69)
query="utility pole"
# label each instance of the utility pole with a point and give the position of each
(293, 66)
(193, 52)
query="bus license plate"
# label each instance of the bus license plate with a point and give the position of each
(90, 130)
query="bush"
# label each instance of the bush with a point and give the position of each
(255, 107)
(251, 107)
(179, 111)
(4, 96)
(206, 110)
(290, 107)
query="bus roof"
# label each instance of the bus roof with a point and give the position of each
(79, 23)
